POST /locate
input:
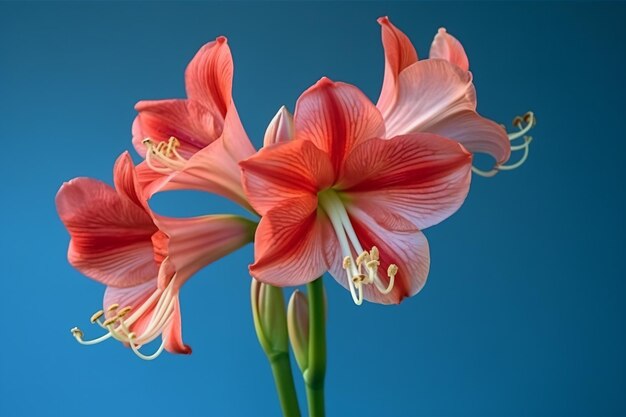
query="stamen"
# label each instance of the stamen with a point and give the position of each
(135, 349)
(164, 156)
(364, 270)
(524, 124)
(96, 316)
(161, 305)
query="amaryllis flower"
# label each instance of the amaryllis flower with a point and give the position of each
(142, 258)
(171, 133)
(338, 195)
(437, 95)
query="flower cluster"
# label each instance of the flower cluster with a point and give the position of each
(343, 185)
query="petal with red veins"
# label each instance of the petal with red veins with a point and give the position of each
(111, 236)
(197, 241)
(283, 172)
(336, 117)
(193, 124)
(172, 334)
(399, 54)
(421, 177)
(126, 181)
(446, 46)
(407, 249)
(476, 133)
(209, 76)
(292, 244)
(428, 92)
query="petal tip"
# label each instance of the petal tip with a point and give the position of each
(383, 20)
(221, 40)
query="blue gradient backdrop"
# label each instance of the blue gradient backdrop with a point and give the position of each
(524, 311)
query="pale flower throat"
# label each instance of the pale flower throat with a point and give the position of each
(161, 303)
(361, 269)
(524, 124)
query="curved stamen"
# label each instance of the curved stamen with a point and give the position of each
(164, 156)
(78, 335)
(135, 349)
(364, 269)
(524, 123)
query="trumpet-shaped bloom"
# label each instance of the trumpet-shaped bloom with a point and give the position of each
(195, 143)
(437, 95)
(339, 196)
(142, 258)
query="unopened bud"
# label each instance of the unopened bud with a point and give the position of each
(298, 324)
(270, 319)
(280, 129)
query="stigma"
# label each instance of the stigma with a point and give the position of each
(361, 266)
(523, 124)
(163, 156)
(120, 324)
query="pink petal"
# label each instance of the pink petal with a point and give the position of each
(172, 334)
(285, 171)
(214, 169)
(192, 123)
(423, 178)
(209, 76)
(336, 117)
(476, 133)
(399, 54)
(292, 244)
(132, 297)
(280, 129)
(127, 182)
(111, 235)
(429, 91)
(446, 46)
(196, 242)
(407, 249)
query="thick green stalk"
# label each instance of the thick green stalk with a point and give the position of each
(316, 370)
(283, 378)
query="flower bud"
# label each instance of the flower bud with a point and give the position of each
(280, 129)
(298, 325)
(270, 321)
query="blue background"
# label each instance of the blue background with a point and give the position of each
(524, 311)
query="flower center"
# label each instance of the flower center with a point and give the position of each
(121, 320)
(524, 124)
(163, 157)
(361, 266)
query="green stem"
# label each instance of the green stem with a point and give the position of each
(316, 371)
(283, 378)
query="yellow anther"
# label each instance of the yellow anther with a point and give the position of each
(77, 333)
(363, 257)
(110, 321)
(530, 118)
(517, 121)
(147, 142)
(96, 316)
(373, 265)
(131, 336)
(124, 311)
(392, 270)
(113, 307)
(358, 278)
(374, 254)
(347, 262)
